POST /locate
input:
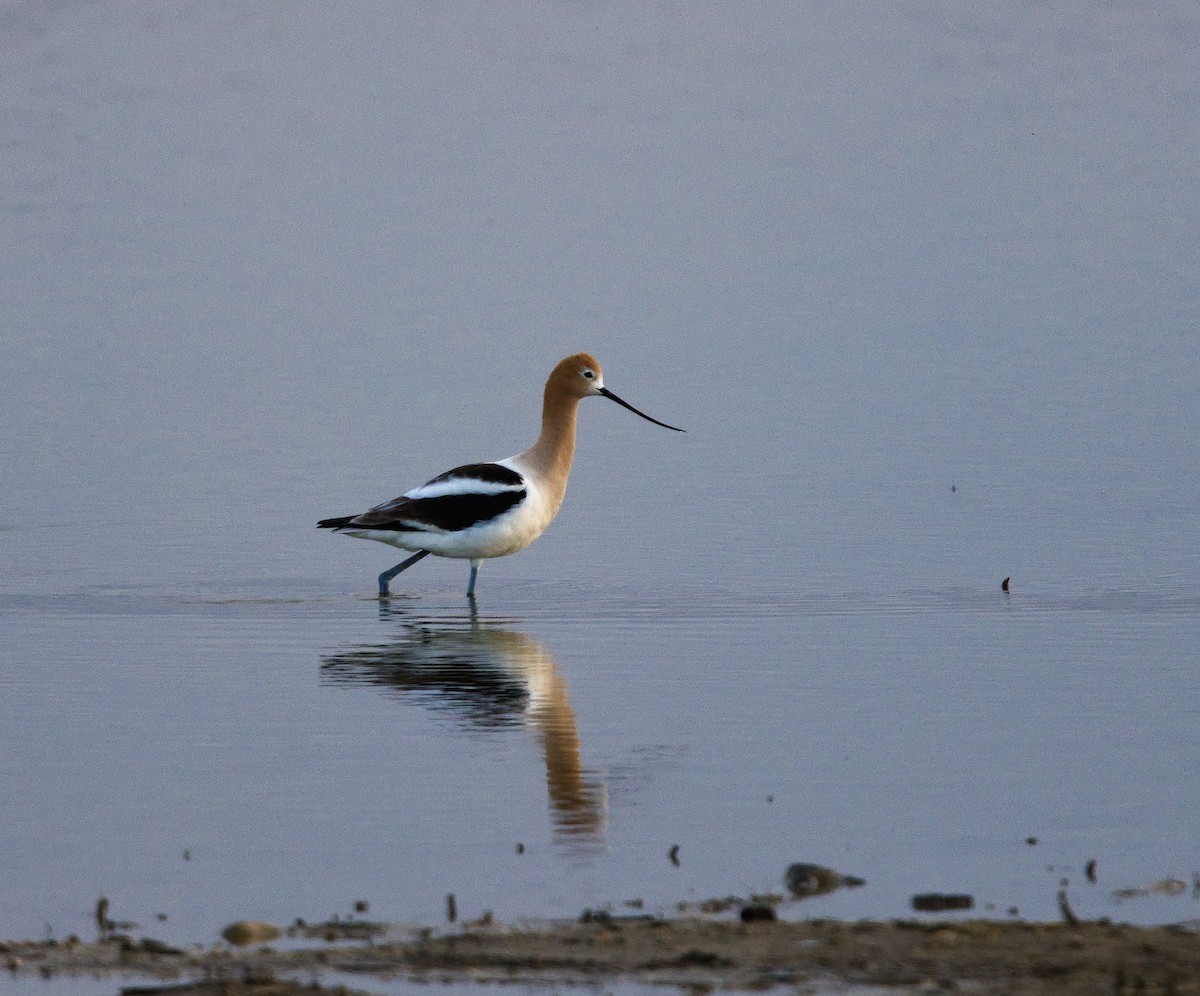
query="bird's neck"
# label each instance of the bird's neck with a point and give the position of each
(551, 456)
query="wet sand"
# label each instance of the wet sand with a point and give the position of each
(978, 956)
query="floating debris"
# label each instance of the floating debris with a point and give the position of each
(246, 932)
(152, 945)
(520, 848)
(336, 929)
(361, 906)
(1004, 584)
(1031, 841)
(126, 945)
(595, 916)
(607, 917)
(252, 980)
(695, 958)
(102, 920)
(757, 913)
(719, 904)
(805, 880)
(1163, 887)
(940, 902)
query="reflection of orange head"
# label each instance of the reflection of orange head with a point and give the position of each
(576, 802)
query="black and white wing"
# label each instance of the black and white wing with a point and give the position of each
(451, 502)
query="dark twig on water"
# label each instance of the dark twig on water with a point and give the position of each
(1065, 908)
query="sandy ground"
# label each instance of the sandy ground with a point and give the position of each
(971, 956)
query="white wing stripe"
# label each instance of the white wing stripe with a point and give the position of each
(462, 486)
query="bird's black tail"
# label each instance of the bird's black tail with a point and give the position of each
(337, 523)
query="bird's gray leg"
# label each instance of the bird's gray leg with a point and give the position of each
(404, 565)
(474, 575)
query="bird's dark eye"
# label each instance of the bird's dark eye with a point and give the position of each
(590, 374)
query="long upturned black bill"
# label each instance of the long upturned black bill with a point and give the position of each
(625, 404)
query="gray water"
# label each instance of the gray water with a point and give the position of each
(921, 286)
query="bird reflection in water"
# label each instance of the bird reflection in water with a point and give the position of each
(488, 677)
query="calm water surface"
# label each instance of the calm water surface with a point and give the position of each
(928, 326)
(310, 750)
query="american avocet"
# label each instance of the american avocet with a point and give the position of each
(484, 510)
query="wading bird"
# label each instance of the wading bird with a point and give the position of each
(484, 510)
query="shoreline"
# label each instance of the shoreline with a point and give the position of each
(987, 956)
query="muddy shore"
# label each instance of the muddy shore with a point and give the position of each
(979, 956)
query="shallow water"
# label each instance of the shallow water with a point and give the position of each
(307, 753)
(261, 272)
